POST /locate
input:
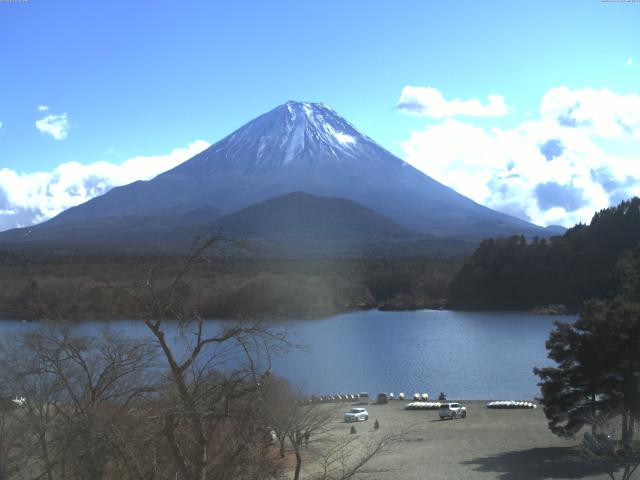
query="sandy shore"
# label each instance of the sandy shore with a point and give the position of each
(488, 444)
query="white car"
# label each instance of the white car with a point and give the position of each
(452, 410)
(356, 415)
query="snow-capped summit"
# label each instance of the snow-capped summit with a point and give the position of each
(293, 132)
(301, 147)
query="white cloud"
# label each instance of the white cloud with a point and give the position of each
(55, 125)
(551, 170)
(600, 112)
(0, 124)
(31, 198)
(43, 108)
(629, 61)
(429, 102)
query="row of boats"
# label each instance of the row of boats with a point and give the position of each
(511, 404)
(499, 404)
(382, 397)
(421, 401)
(423, 406)
(353, 397)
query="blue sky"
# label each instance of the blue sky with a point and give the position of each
(144, 79)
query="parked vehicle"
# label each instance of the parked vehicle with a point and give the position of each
(356, 414)
(452, 410)
(382, 398)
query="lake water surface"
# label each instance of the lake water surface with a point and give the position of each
(468, 355)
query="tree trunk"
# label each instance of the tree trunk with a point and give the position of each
(45, 457)
(178, 458)
(296, 441)
(204, 450)
(594, 411)
(296, 474)
(625, 426)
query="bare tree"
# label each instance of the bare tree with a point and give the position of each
(38, 393)
(308, 420)
(78, 391)
(210, 374)
(294, 421)
(192, 400)
(343, 458)
(11, 439)
(306, 430)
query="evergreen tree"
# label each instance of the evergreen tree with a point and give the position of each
(598, 360)
(568, 269)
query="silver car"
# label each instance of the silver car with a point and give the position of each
(452, 410)
(356, 414)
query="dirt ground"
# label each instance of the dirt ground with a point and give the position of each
(487, 444)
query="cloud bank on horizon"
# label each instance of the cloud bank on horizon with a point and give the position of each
(26, 199)
(581, 155)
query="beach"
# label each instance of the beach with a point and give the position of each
(487, 444)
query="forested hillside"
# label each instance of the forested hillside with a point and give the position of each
(516, 273)
(90, 286)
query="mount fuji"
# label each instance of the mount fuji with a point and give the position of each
(296, 147)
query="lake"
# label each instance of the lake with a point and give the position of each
(467, 355)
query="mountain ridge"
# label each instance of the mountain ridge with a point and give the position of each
(301, 214)
(298, 147)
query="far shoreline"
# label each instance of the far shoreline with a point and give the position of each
(538, 311)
